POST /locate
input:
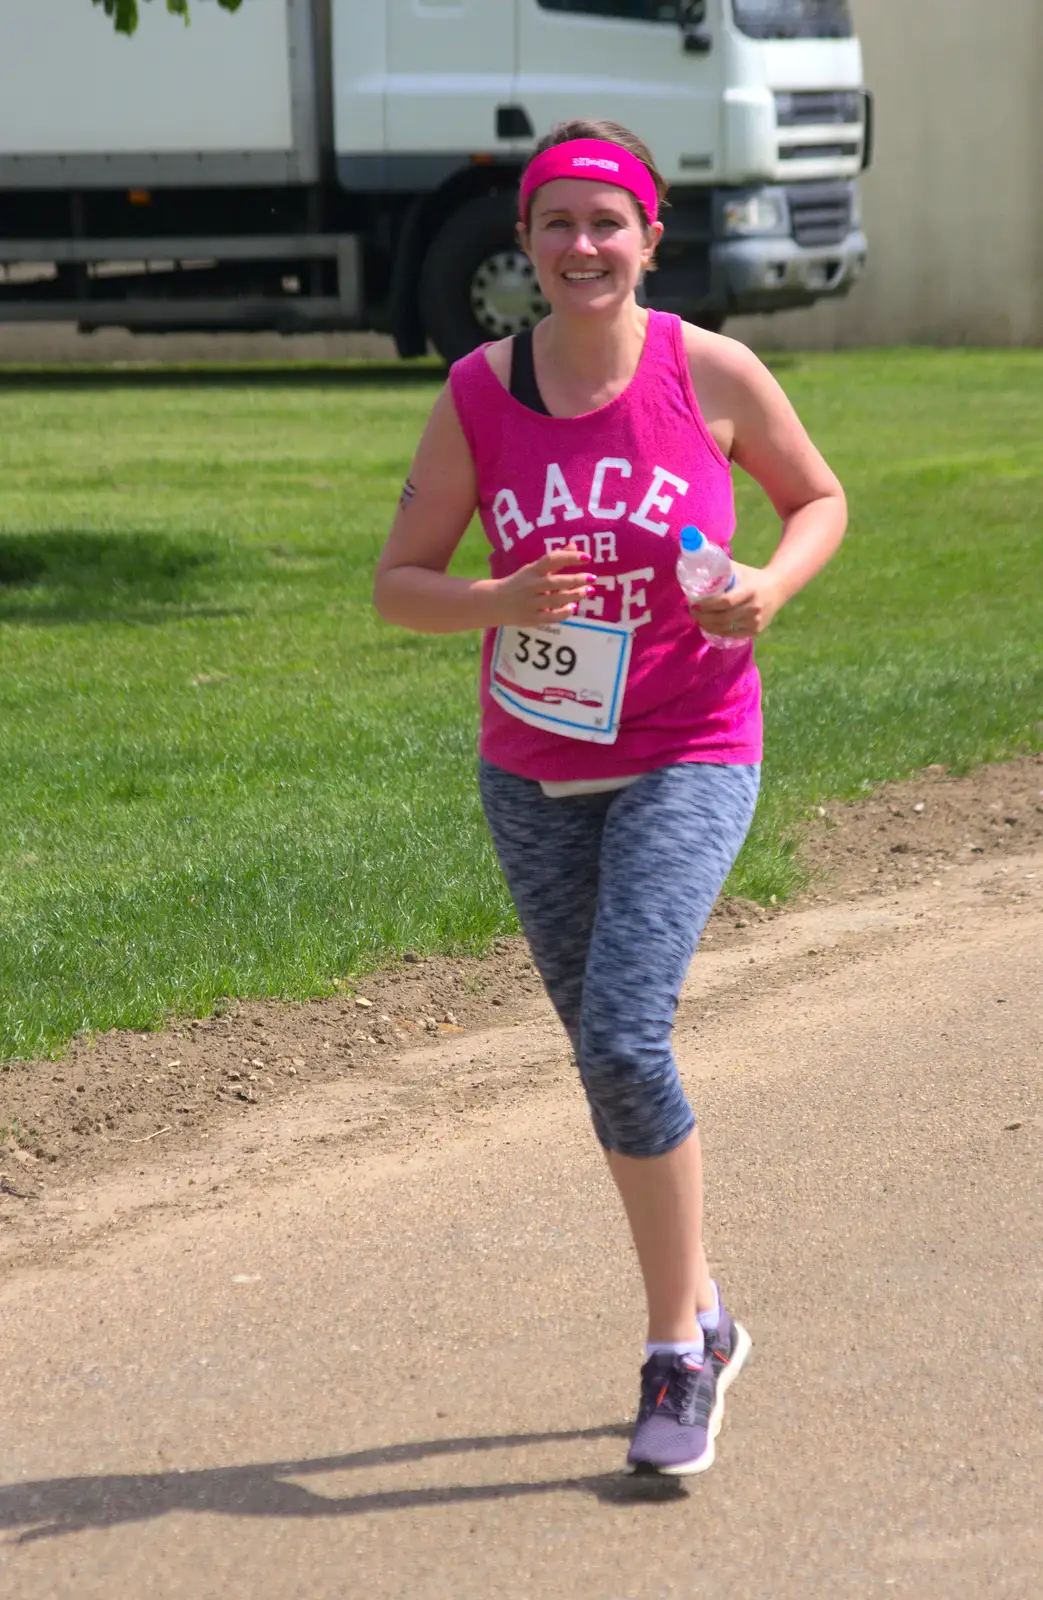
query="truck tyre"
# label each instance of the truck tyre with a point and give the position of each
(476, 284)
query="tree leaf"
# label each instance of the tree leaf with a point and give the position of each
(125, 14)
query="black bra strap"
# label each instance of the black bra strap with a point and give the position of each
(523, 373)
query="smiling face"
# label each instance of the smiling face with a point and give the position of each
(588, 243)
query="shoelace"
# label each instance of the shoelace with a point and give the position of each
(670, 1389)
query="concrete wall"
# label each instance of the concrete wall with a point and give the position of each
(954, 202)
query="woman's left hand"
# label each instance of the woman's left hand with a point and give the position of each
(746, 610)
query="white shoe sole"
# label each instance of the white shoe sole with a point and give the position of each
(686, 1469)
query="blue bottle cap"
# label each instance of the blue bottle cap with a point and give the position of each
(692, 539)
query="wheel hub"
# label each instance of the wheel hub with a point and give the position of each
(505, 296)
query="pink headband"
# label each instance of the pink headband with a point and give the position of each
(594, 159)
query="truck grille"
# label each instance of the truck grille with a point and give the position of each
(819, 107)
(816, 152)
(820, 212)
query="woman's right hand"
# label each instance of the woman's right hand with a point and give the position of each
(544, 591)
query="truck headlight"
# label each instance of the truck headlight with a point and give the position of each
(755, 213)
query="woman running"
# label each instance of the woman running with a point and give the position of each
(619, 751)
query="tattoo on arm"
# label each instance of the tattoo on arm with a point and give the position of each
(408, 494)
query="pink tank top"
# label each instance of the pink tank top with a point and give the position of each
(620, 482)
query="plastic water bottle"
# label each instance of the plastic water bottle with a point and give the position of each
(703, 569)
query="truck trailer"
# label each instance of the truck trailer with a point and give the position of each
(318, 165)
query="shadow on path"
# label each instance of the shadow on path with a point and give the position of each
(54, 1506)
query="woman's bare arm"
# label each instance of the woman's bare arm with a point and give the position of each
(768, 441)
(413, 589)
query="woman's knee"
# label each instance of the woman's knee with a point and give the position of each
(638, 1106)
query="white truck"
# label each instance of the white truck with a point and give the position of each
(312, 165)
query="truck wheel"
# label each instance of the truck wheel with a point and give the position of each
(475, 283)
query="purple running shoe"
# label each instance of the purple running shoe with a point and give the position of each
(682, 1403)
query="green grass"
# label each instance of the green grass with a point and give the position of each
(221, 774)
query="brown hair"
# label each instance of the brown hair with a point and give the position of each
(612, 133)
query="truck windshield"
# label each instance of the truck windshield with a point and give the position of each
(794, 19)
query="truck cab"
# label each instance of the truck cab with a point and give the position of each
(755, 111)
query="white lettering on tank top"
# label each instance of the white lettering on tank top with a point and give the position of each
(558, 498)
(602, 554)
(655, 500)
(608, 464)
(506, 511)
(594, 604)
(557, 493)
(633, 597)
(633, 605)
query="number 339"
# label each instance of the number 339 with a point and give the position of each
(564, 656)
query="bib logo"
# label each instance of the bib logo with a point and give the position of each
(596, 161)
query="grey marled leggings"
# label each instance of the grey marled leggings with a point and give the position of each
(613, 891)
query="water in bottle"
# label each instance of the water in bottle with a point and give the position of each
(703, 569)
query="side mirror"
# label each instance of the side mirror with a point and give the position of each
(696, 37)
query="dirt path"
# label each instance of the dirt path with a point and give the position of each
(382, 1338)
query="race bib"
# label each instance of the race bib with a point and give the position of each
(566, 677)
